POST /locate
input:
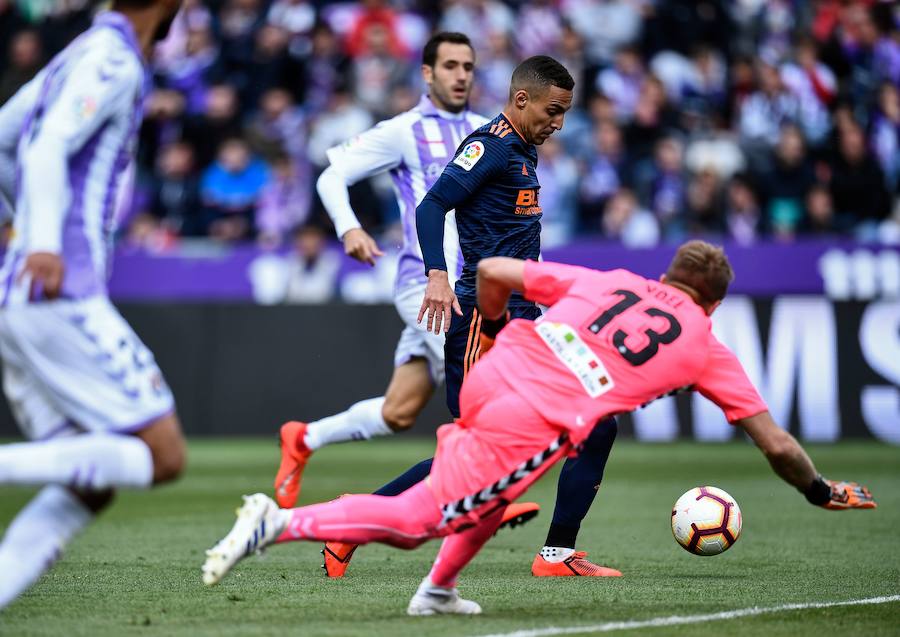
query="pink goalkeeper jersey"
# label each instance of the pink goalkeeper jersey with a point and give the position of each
(612, 342)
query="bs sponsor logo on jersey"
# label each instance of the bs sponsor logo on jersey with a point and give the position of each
(527, 202)
(469, 155)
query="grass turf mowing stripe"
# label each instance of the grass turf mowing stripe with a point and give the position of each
(678, 620)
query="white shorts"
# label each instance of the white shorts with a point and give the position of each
(78, 365)
(415, 341)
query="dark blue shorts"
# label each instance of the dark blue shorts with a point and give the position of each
(461, 349)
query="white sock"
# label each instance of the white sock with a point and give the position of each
(556, 553)
(361, 422)
(92, 462)
(427, 587)
(36, 538)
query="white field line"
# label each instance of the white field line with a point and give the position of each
(678, 620)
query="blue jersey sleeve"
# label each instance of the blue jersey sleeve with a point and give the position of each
(444, 195)
(482, 157)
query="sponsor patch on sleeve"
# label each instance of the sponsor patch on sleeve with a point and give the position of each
(469, 155)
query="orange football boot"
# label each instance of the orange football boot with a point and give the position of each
(519, 513)
(294, 455)
(337, 558)
(575, 564)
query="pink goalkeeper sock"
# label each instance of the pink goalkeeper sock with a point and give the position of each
(459, 549)
(404, 521)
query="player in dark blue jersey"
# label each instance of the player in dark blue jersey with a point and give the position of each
(492, 184)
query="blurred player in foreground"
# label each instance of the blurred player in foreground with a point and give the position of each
(81, 384)
(414, 147)
(610, 342)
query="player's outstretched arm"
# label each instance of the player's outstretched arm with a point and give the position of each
(790, 462)
(497, 278)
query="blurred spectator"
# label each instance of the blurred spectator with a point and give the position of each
(284, 202)
(884, 137)
(605, 173)
(665, 187)
(296, 18)
(326, 69)
(697, 85)
(820, 218)
(787, 182)
(857, 184)
(278, 127)
(682, 25)
(313, 267)
(479, 19)
(763, 114)
(625, 221)
(342, 119)
(175, 202)
(652, 119)
(558, 175)
(378, 15)
(622, 82)
(220, 120)
(571, 55)
(815, 87)
(189, 73)
(743, 217)
(539, 29)
(718, 153)
(270, 65)
(493, 70)
(163, 112)
(239, 21)
(376, 70)
(604, 26)
(25, 60)
(704, 204)
(230, 189)
(872, 53)
(11, 22)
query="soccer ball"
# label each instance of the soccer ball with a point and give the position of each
(706, 521)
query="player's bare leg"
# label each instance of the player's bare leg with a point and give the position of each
(96, 463)
(408, 392)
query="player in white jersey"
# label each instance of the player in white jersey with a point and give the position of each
(414, 147)
(83, 388)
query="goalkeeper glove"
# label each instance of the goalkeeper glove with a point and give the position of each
(489, 330)
(839, 495)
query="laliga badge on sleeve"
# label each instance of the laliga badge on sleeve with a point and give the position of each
(469, 155)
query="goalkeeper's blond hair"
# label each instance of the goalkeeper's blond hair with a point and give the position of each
(702, 267)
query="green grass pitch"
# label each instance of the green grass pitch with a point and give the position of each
(136, 570)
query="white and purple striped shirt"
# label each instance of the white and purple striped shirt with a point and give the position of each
(414, 146)
(71, 133)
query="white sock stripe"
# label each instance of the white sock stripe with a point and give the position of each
(678, 620)
(361, 421)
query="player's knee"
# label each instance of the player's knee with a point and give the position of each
(169, 456)
(398, 416)
(169, 461)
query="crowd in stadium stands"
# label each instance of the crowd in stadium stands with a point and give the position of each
(738, 119)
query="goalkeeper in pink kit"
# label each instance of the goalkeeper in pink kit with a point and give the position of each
(610, 343)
